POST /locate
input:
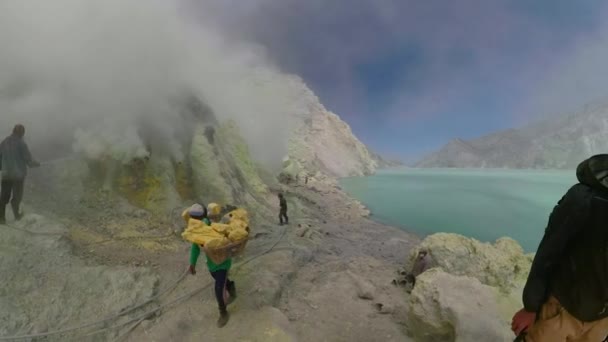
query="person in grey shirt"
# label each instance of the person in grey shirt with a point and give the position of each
(15, 158)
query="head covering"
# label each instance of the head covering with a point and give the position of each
(197, 210)
(594, 172)
(19, 130)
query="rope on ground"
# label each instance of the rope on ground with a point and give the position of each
(90, 324)
(30, 231)
(143, 237)
(146, 314)
(143, 316)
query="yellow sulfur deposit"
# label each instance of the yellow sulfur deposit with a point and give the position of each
(238, 234)
(236, 229)
(200, 233)
(186, 216)
(221, 228)
(217, 243)
(239, 214)
(213, 209)
(238, 224)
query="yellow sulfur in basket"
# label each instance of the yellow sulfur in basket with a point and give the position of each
(200, 233)
(237, 235)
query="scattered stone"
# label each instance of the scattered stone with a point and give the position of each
(365, 290)
(384, 309)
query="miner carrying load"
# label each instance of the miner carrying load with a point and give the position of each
(220, 242)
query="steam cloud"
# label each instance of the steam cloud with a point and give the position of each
(97, 76)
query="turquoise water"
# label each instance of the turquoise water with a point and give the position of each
(484, 204)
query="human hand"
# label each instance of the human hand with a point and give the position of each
(522, 320)
(192, 269)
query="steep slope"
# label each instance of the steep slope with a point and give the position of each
(322, 142)
(558, 143)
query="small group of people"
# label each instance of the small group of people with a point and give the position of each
(15, 159)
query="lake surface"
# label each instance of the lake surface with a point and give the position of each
(484, 204)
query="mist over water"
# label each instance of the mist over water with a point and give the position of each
(483, 204)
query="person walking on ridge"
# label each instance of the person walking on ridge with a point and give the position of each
(566, 295)
(283, 219)
(15, 158)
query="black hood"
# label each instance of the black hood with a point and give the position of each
(594, 172)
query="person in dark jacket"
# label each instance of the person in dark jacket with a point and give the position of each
(283, 219)
(15, 158)
(566, 294)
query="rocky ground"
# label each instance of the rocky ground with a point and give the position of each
(328, 277)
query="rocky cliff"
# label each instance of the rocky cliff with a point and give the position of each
(559, 143)
(322, 142)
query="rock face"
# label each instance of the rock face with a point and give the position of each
(471, 291)
(559, 143)
(323, 142)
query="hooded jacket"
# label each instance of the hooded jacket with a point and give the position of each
(572, 261)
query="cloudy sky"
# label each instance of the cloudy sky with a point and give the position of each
(408, 75)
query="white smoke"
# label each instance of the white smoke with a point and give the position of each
(94, 74)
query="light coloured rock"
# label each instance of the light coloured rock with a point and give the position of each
(445, 307)
(365, 289)
(325, 143)
(503, 264)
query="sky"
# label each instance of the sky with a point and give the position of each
(409, 75)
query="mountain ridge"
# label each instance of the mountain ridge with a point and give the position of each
(556, 143)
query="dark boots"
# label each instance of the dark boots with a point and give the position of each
(18, 216)
(224, 317)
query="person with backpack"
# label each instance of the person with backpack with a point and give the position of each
(15, 158)
(566, 295)
(197, 215)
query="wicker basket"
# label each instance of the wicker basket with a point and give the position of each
(219, 255)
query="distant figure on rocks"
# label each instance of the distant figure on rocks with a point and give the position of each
(15, 158)
(420, 265)
(566, 295)
(306, 180)
(283, 219)
(218, 272)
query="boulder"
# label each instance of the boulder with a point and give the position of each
(502, 264)
(446, 307)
